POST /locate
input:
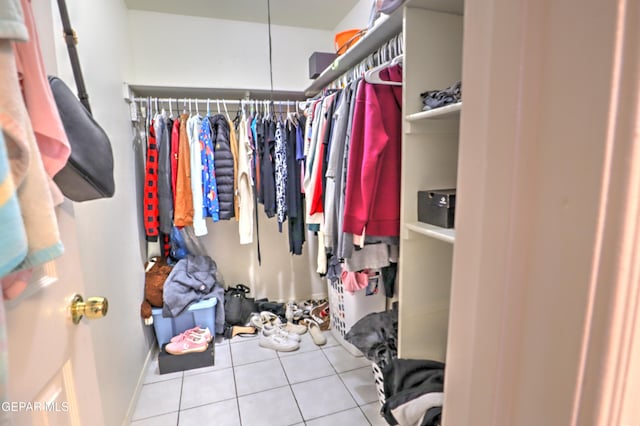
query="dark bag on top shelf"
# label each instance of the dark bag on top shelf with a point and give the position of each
(88, 174)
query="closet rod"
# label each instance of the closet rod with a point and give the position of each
(213, 101)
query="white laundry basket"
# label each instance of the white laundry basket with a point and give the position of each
(377, 375)
(345, 309)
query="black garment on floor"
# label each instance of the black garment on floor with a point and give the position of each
(433, 417)
(376, 336)
(407, 379)
(295, 199)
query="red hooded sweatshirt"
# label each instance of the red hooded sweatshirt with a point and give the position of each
(372, 198)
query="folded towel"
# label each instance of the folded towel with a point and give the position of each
(27, 169)
(13, 237)
(50, 135)
(12, 25)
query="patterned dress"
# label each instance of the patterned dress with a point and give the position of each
(210, 203)
(281, 174)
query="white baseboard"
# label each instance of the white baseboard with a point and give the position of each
(136, 393)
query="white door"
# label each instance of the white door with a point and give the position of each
(52, 376)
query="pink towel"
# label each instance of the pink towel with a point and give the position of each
(45, 119)
(27, 170)
(354, 281)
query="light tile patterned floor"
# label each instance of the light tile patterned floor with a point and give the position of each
(253, 386)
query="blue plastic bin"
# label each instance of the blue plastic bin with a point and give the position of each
(202, 313)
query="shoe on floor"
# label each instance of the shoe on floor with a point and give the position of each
(295, 328)
(196, 331)
(320, 314)
(269, 329)
(258, 320)
(278, 342)
(189, 344)
(316, 333)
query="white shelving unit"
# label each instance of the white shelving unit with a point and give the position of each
(445, 112)
(432, 231)
(432, 35)
(375, 37)
(432, 60)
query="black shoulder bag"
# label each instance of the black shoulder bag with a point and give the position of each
(88, 174)
(237, 306)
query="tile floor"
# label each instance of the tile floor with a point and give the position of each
(252, 386)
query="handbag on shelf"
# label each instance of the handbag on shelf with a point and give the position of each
(88, 174)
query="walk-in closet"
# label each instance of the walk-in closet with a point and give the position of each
(285, 212)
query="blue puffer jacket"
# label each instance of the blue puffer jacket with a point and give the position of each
(224, 165)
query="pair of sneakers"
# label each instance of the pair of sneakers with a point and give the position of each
(275, 335)
(279, 340)
(193, 340)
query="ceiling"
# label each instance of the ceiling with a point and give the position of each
(319, 14)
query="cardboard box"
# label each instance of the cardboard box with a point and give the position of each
(437, 207)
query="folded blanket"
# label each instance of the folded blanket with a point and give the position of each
(13, 238)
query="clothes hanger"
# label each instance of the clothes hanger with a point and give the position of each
(397, 60)
(373, 75)
(224, 104)
(218, 104)
(208, 108)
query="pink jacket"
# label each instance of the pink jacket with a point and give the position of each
(372, 198)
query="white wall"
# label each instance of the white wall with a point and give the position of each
(187, 51)
(110, 231)
(215, 53)
(358, 17)
(281, 276)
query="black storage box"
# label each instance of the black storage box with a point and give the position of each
(437, 207)
(168, 363)
(318, 62)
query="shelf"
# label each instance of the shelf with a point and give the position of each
(449, 111)
(213, 93)
(375, 37)
(386, 29)
(447, 6)
(442, 234)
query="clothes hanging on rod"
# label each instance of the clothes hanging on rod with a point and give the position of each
(380, 57)
(212, 166)
(352, 153)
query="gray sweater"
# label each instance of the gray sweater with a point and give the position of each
(194, 278)
(165, 193)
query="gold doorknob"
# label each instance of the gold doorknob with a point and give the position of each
(93, 308)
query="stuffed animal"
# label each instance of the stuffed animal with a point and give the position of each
(156, 273)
